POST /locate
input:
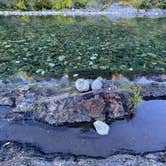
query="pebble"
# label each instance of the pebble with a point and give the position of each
(82, 85)
(101, 127)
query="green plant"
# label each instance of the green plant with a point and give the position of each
(2, 5)
(141, 4)
(93, 3)
(147, 4)
(134, 92)
(39, 4)
(106, 3)
(136, 3)
(31, 5)
(58, 5)
(21, 5)
(137, 97)
(61, 4)
(161, 4)
(46, 4)
(80, 3)
(68, 3)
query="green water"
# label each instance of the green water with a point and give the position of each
(48, 47)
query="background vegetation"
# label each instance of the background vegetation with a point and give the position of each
(61, 4)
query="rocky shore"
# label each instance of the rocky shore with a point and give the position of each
(115, 11)
(12, 154)
(58, 104)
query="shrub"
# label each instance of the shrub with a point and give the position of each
(106, 3)
(42, 4)
(58, 4)
(31, 5)
(80, 3)
(61, 4)
(161, 4)
(146, 4)
(136, 3)
(2, 5)
(46, 4)
(142, 4)
(68, 3)
(21, 5)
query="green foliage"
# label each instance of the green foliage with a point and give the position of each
(161, 4)
(21, 5)
(2, 5)
(46, 4)
(40, 4)
(106, 3)
(141, 3)
(146, 4)
(80, 3)
(68, 3)
(31, 5)
(61, 4)
(136, 3)
(93, 3)
(137, 97)
(58, 4)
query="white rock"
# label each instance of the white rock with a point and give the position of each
(101, 127)
(96, 84)
(100, 78)
(82, 85)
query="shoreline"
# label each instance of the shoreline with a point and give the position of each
(25, 103)
(115, 11)
(115, 99)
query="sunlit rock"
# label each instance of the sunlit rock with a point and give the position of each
(101, 127)
(97, 84)
(82, 85)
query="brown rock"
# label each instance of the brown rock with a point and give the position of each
(94, 107)
(114, 106)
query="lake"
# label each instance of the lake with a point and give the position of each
(51, 46)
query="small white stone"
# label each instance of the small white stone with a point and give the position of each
(82, 85)
(51, 64)
(101, 127)
(96, 84)
(75, 75)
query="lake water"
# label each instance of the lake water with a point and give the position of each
(51, 46)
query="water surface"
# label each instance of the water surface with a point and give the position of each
(51, 46)
(144, 133)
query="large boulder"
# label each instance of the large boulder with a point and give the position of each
(71, 108)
